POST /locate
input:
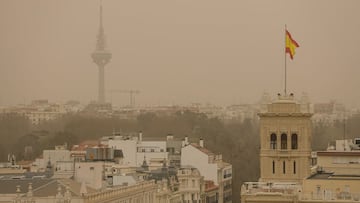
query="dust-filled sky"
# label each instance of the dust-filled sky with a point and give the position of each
(179, 51)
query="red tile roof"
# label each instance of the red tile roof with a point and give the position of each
(209, 185)
(202, 149)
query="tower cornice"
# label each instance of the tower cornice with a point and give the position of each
(272, 114)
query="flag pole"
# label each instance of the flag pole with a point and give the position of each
(285, 61)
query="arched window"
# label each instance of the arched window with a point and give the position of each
(283, 141)
(273, 141)
(294, 141)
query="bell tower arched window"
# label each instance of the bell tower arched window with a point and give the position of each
(284, 141)
(273, 140)
(294, 141)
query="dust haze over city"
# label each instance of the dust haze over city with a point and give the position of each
(179, 52)
(160, 101)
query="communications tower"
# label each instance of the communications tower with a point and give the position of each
(101, 57)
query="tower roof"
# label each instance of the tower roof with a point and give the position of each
(286, 105)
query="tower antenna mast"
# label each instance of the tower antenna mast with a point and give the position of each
(101, 57)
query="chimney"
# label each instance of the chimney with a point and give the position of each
(140, 136)
(186, 140)
(169, 137)
(201, 142)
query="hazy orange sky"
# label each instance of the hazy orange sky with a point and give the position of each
(179, 51)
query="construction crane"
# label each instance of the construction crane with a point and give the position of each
(131, 93)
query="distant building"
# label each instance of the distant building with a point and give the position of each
(92, 174)
(134, 149)
(191, 184)
(98, 109)
(211, 166)
(173, 148)
(52, 158)
(44, 190)
(39, 111)
(344, 158)
(337, 176)
(329, 113)
(241, 112)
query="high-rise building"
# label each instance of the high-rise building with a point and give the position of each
(101, 56)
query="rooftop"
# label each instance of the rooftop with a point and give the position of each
(339, 153)
(202, 149)
(41, 187)
(209, 186)
(334, 176)
(256, 188)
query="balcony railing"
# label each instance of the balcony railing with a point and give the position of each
(329, 195)
(294, 189)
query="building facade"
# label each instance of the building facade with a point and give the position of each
(211, 166)
(285, 141)
(285, 156)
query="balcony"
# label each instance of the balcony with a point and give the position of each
(331, 196)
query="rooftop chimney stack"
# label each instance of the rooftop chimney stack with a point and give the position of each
(201, 142)
(186, 140)
(169, 137)
(140, 136)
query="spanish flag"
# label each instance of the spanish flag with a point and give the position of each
(290, 44)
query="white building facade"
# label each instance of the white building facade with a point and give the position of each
(211, 166)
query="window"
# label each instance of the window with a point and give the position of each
(273, 141)
(294, 141)
(152, 150)
(273, 167)
(294, 167)
(318, 190)
(284, 167)
(283, 141)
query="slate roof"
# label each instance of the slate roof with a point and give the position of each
(8, 186)
(202, 149)
(42, 187)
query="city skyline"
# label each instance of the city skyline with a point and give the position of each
(179, 52)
